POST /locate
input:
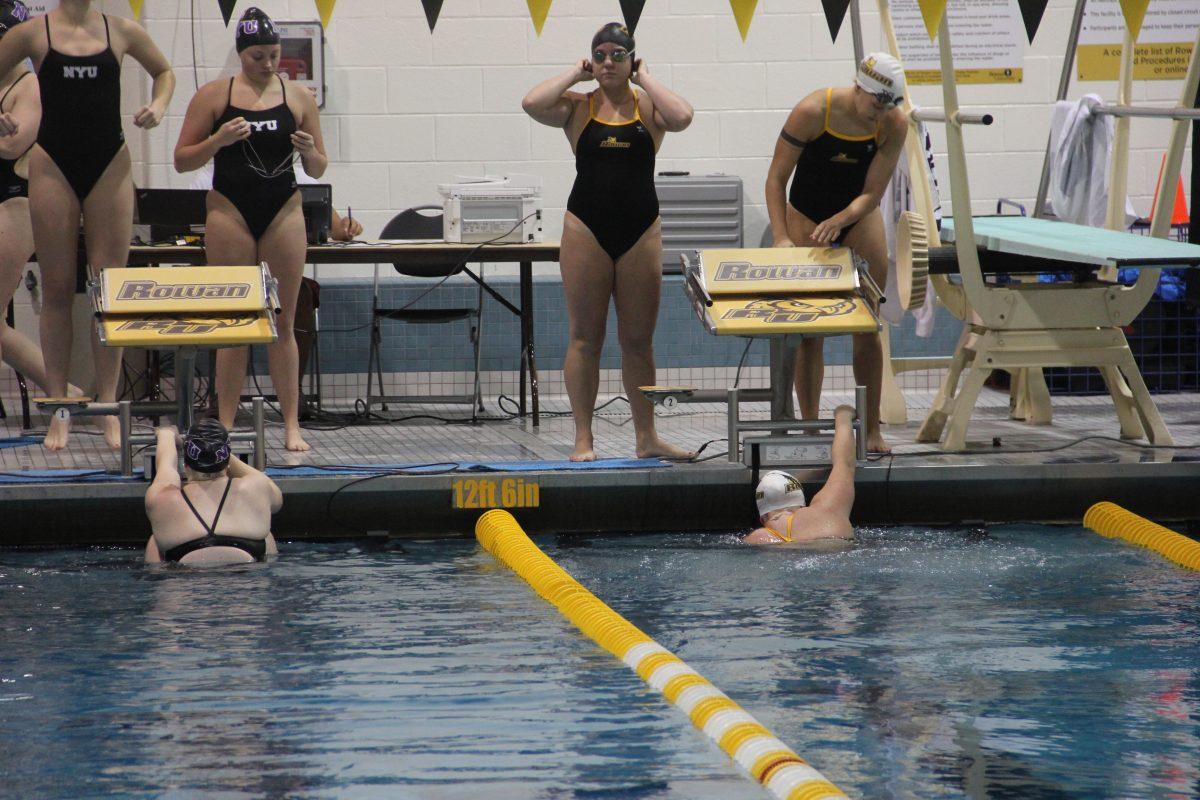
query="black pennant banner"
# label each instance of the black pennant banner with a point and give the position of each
(835, 14)
(227, 9)
(1032, 11)
(432, 9)
(632, 11)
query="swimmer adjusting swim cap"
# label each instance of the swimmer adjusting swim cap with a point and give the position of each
(881, 75)
(12, 14)
(256, 28)
(776, 491)
(206, 446)
(616, 33)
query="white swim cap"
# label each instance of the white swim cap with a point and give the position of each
(882, 76)
(778, 490)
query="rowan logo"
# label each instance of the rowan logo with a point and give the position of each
(745, 271)
(80, 72)
(153, 290)
(868, 68)
(613, 141)
(842, 158)
(174, 326)
(788, 312)
(269, 125)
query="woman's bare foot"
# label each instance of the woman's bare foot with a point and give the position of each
(57, 433)
(111, 426)
(584, 449)
(657, 448)
(876, 443)
(294, 441)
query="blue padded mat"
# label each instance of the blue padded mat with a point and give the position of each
(18, 441)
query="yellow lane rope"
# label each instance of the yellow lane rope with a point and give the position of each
(771, 762)
(1109, 519)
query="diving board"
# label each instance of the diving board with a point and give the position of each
(1079, 244)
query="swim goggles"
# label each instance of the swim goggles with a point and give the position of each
(884, 99)
(617, 56)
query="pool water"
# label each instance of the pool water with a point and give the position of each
(1016, 662)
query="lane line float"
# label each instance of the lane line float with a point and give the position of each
(1109, 519)
(768, 760)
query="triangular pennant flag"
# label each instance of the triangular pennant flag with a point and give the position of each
(1135, 12)
(631, 10)
(432, 9)
(1031, 12)
(932, 12)
(227, 9)
(538, 9)
(136, 5)
(743, 12)
(835, 13)
(325, 9)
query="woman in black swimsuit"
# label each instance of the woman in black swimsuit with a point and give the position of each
(221, 515)
(842, 145)
(20, 111)
(81, 164)
(252, 126)
(611, 241)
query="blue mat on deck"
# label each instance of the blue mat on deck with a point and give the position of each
(65, 476)
(18, 441)
(468, 466)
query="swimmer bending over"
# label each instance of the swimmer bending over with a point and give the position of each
(782, 511)
(208, 520)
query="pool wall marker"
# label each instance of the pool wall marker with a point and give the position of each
(1109, 519)
(771, 762)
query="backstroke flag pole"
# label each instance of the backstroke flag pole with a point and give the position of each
(835, 14)
(432, 9)
(325, 9)
(227, 9)
(538, 9)
(743, 12)
(631, 10)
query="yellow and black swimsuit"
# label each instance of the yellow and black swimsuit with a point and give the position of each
(787, 538)
(831, 171)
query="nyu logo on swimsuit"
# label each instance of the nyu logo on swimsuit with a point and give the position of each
(270, 125)
(80, 72)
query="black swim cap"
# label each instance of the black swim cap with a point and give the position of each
(206, 446)
(255, 28)
(12, 14)
(616, 33)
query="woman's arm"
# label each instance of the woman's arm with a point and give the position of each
(146, 52)
(166, 465)
(17, 45)
(240, 469)
(197, 142)
(308, 141)
(671, 112)
(788, 147)
(550, 103)
(19, 125)
(878, 176)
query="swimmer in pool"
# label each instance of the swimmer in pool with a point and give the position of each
(783, 513)
(221, 515)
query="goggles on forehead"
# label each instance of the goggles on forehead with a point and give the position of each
(617, 56)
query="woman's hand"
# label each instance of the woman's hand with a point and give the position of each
(148, 117)
(348, 229)
(304, 143)
(828, 231)
(235, 130)
(583, 71)
(639, 72)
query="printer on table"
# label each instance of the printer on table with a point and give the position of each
(499, 208)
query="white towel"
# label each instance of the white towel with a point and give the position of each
(1080, 151)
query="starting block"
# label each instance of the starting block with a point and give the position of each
(783, 295)
(184, 309)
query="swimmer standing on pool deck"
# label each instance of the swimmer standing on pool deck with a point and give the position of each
(785, 517)
(842, 145)
(222, 515)
(612, 237)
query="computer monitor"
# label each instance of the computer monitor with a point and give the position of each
(317, 199)
(171, 212)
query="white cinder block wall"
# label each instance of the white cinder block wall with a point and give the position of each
(407, 109)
